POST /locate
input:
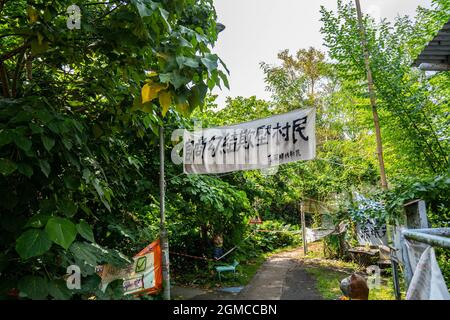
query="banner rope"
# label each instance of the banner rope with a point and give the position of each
(209, 259)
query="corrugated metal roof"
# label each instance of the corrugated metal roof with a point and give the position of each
(436, 54)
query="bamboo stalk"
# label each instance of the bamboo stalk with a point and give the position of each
(372, 96)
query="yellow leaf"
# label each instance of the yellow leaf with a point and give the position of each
(151, 73)
(150, 91)
(32, 14)
(165, 100)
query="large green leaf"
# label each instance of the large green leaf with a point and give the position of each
(198, 93)
(37, 221)
(22, 116)
(35, 128)
(48, 142)
(23, 142)
(25, 169)
(210, 61)
(85, 230)
(67, 207)
(34, 287)
(58, 290)
(175, 78)
(61, 231)
(6, 137)
(32, 243)
(142, 7)
(186, 61)
(44, 116)
(7, 166)
(71, 182)
(45, 167)
(87, 253)
(224, 78)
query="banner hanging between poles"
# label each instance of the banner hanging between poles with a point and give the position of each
(251, 145)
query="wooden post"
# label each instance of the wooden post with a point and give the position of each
(302, 216)
(373, 102)
(376, 123)
(163, 231)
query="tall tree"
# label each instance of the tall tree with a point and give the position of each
(79, 117)
(307, 62)
(402, 91)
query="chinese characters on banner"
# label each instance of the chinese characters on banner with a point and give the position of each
(251, 145)
(371, 232)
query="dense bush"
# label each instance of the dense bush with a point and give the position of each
(264, 241)
(79, 116)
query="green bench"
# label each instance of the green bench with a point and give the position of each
(229, 268)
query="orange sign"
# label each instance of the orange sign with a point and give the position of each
(143, 276)
(148, 267)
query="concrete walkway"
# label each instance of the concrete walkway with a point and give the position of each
(281, 277)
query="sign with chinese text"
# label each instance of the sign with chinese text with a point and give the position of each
(251, 145)
(371, 232)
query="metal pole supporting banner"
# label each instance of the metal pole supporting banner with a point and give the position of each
(163, 232)
(302, 214)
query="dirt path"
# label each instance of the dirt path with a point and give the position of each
(281, 277)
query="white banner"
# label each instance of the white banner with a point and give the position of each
(427, 282)
(313, 235)
(251, 145)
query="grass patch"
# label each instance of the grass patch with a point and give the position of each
(385, 292)
(328, 282)
(329, 273)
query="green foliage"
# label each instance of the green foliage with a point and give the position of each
(79, 116)
(408, 111)
(33, 243)
(34, 287)
(61, 231)
(78, 140)
(284, 235)
(294, 84)
(434, 190)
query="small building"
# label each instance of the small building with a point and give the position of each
(436, 54)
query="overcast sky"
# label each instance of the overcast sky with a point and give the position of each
(256, 30)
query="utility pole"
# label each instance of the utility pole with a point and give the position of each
(376, 123)
(302, 216)
(373, 102)
(163, 231)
